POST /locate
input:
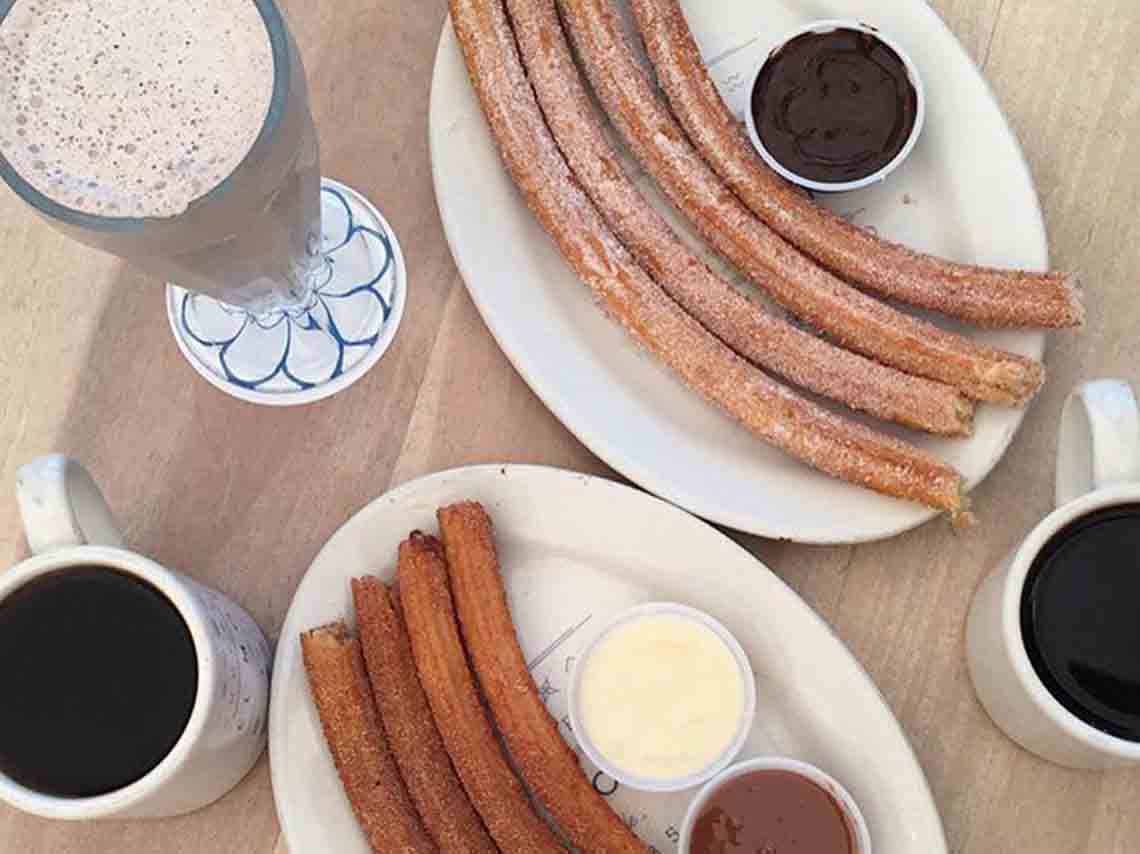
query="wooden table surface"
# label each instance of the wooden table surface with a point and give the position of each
(242, 497)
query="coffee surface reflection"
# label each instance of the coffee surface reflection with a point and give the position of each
(98, 677)
(1080, 619)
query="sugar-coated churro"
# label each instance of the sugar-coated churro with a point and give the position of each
(751, 331)
(447, 681)
(352, 728)
(544, 758)
(981, 295)
(854, 319)
(443, 805)
(806, 431)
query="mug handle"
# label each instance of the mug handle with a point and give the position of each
(63, 507)
(1099, 440)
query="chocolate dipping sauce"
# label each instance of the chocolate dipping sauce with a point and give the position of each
(776, 812)
(834, 106)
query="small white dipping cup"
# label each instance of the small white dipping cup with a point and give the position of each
(747, 712)
(851, 812)
(828, 26)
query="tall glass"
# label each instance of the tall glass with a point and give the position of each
(284, 288)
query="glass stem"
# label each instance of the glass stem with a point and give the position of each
(298, 289)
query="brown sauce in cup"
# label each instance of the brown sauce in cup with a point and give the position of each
(774, 812)
(835, 106)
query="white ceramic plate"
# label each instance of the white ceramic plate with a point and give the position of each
(965, 193)
(575, 551)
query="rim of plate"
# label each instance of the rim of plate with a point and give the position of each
(607, 450)
(287, 654)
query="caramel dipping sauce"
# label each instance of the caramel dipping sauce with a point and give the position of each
(834, 106)
(772, 812)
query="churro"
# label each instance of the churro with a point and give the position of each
(754, 333)
(447, 681)
(768, 409)
(981, 295)
(855, 320)
(546, 761)
(444, 807)
(356, 740)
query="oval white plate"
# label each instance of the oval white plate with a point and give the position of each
(576, 550)
(965, 193)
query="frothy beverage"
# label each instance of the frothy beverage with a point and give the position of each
(131, 108)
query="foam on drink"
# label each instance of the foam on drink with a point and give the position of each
(131, 108)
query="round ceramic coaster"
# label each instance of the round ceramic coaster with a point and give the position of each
(287, 358)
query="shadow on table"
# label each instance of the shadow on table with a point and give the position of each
(209, 484)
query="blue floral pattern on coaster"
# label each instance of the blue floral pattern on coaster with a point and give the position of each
(297, 350)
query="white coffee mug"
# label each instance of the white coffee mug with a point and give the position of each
(1098, 466)
(69, 524)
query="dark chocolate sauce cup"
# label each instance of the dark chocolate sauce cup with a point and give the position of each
(858, 834)
(828, 26)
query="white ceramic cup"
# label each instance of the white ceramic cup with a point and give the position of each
(1098, 466)
(68, 524)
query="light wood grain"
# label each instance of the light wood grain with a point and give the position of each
(243, 497)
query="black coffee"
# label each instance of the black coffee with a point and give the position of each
(1080, 618)
(98, 676)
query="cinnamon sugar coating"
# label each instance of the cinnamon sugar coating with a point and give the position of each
(763, 339)
(981, 295)
(852, 318)
(768, 409)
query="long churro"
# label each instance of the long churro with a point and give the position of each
(981, 295)
(444, 807)
(447, 681)
(546, 761)
(763, 339)
(768, 409)
(856, 320)
(373, 784)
